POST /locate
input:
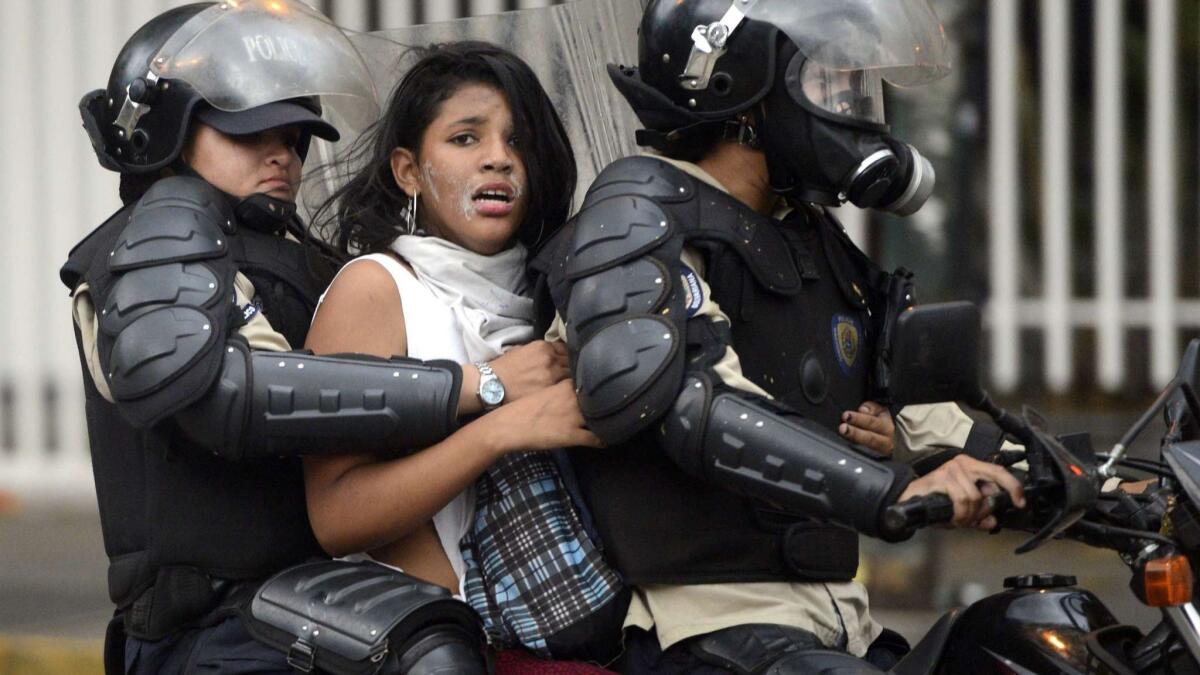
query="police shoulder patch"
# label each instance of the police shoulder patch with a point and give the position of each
(847, 338)
(693, 292)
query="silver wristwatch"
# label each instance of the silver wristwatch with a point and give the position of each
(491, 389)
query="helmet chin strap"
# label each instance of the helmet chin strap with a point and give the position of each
(259, 211)
(264, 213)
(743, 130)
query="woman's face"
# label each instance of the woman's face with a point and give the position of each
(467, 174)
(265, 162)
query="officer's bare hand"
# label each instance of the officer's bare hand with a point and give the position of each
(531, 367)
(871, 425)
(968, 482)
(547, 419)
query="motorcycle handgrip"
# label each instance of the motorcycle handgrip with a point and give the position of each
(901, 520)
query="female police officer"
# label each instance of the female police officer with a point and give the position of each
(187, 303)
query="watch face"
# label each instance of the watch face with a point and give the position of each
(492, 392)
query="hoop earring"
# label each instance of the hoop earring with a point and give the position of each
(410, 215)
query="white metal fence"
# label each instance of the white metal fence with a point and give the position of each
(1112, 313)
(52, 193)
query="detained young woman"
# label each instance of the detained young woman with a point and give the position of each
(468, 168)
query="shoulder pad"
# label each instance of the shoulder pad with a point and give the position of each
(162, 361)
(179, 218)
(143, 290)
(645, 176)
(613, 230)
(627, 376)
(637, 287)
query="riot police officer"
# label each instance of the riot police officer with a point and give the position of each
(187, 303)
(725, 331)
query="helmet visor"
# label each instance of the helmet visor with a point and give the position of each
(241, 54)
(902, 39)
(857, 94)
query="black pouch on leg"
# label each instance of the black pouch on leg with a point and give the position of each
(359, 618)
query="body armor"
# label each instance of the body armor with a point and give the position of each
(195, 455)
(709, 484)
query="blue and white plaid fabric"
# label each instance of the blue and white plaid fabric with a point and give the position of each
(531, 568)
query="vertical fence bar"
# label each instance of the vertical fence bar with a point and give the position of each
(395, 14)
(486, 7)
(22, 344)
(1004, 259)
(63, 145)
(1108, 79)
(1056, 192)
(350, 14)
(1163, 198)
(134, 13)
(440, 10)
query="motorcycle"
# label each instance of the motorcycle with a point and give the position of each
(1045, 623)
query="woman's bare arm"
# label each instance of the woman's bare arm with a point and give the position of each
(357, 502)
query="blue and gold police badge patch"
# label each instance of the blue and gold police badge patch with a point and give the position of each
(847, 336)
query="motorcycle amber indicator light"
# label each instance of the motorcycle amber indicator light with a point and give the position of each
(1168, 581)
(1076, 470)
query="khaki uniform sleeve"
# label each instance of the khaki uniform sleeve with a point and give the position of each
(933, 426)
(257, 331)
(84, 314)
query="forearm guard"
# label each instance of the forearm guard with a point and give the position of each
(272, 404)
(744, 446)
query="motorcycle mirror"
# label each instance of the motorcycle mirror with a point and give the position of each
(935, 355)
(1180, 423)
(1184, 460)
(1189, 365)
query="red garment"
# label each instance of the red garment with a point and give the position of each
(517, 662)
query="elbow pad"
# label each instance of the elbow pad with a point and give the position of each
(793, 463)
(274, 404)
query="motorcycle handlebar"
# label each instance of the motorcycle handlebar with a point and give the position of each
(901, 521)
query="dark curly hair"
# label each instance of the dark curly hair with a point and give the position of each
(363, 215)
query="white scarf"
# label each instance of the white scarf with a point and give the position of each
(487, 294)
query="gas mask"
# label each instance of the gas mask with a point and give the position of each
(826, 141)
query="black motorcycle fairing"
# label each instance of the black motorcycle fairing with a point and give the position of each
(1028, 630)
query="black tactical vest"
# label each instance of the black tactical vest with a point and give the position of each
(179, 523)
(811, 348)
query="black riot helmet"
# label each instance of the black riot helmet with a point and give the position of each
(242, 67)
(676, 88)
(802, 79)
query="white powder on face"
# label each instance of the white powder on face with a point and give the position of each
(429, 175)
(461, 186)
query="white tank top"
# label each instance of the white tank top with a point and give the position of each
(433, 333)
